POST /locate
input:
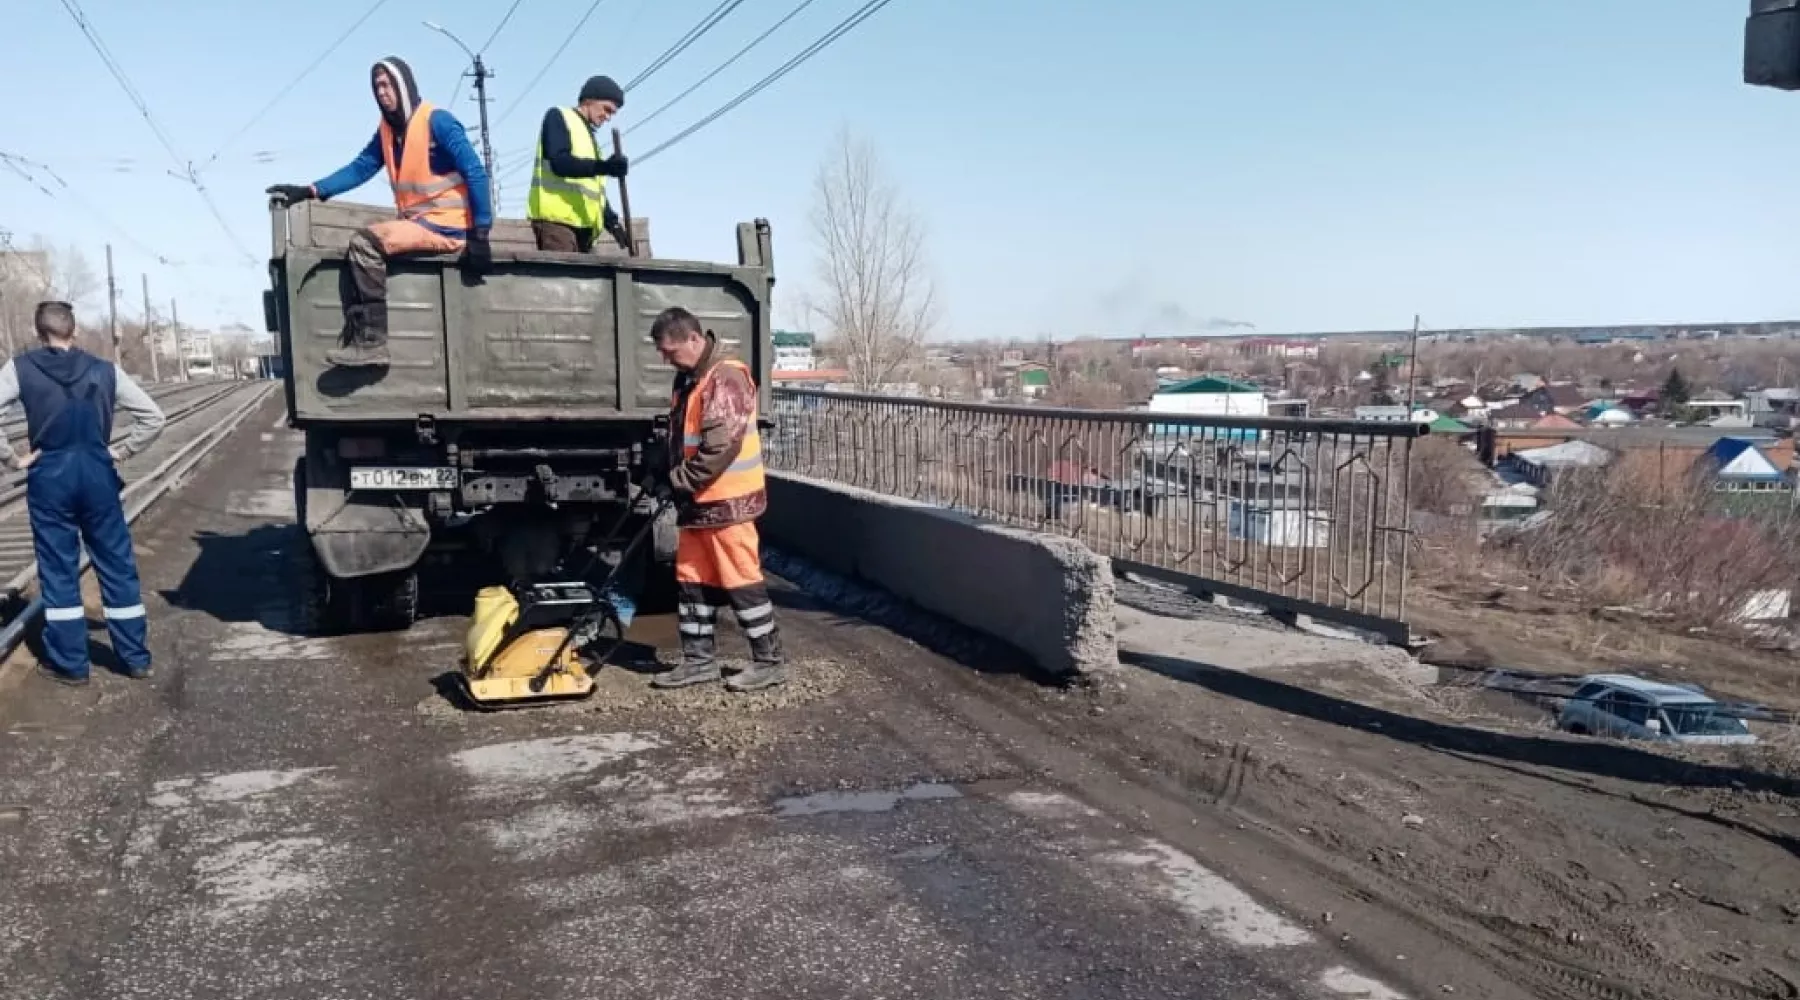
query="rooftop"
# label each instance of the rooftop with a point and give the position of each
(1208, 384)
(1656, 690)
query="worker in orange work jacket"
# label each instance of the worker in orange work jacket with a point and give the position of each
(716, 479)
(440, 192)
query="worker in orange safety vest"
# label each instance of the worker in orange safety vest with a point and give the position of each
(440, 191)
(716, 480)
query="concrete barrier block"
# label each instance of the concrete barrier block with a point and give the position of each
(1048, 596)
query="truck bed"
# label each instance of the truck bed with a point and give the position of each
(546, 336)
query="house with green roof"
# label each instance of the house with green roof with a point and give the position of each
(793, 351)
(1210, 395)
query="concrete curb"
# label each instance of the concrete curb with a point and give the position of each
(1049, 597)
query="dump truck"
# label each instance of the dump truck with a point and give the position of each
(518, 416)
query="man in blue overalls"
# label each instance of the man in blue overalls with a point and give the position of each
(72, 490)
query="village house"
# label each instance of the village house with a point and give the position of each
(1541, 466)
(1738, 465)
(1560, 398)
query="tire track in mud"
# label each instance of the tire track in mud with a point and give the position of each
(1241, 786)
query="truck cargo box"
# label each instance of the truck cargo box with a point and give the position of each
(545, 336)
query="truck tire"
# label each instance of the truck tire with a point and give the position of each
(323, 605)
(387, 602)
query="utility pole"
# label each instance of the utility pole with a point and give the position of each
(175, 328)
(487, 148)
(112, 303)
(1412, 368)
(482, 75)
(150, 332)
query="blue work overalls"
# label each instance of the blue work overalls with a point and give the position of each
(73, 494)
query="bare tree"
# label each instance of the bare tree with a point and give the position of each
(876, 297)
(74, 279)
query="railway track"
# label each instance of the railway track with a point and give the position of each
(198, 420)
(164, 393)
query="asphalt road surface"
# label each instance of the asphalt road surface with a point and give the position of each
(275, 816)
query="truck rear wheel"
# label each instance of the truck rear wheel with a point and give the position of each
(387, 602)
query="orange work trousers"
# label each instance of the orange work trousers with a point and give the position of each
(718, 568)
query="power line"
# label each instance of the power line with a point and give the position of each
(568, 40)
(819, 45)
(694, 34)
(25, 168)
(295, 82)
(498, 28)
(510, 11)
(722, 67)
(184, 167)
(118, 74)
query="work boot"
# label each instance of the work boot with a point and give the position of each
(368, 338)
(758, 677)
(697, 666)
(687, 674)
(768, 670)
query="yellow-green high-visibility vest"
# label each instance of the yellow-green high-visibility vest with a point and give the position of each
(572, 201)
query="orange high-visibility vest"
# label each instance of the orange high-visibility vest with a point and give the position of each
(419, 194)
(745, 474)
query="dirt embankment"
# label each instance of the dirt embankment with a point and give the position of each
(1571, 867)
(1505, 624)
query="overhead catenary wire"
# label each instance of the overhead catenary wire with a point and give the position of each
(694, 34)
(498, 28)
(184, 167)
(819, 45)
(483, 47)
(28, 169)
(118, 74)
(722, 67)
(568, 39)
(282, 94)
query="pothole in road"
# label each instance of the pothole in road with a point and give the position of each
(862, 802)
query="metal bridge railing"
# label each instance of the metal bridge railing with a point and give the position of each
(1303, 516)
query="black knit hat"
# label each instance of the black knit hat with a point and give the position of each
(602, 88)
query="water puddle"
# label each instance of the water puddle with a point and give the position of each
(821, 803)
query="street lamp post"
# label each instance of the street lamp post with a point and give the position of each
(481, 75)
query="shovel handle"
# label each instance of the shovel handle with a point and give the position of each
(625, 199)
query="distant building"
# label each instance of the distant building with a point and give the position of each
(793, 351)
(1211, 396)
(1279, 348)
(1034, 380)
(1738, 465)
(1540, 466)
(1561, 398)
(1774, 407)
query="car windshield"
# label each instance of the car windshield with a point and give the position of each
(1704, 720)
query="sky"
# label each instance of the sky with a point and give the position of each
(1082, 168)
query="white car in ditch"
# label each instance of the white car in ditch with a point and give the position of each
(1626, 707)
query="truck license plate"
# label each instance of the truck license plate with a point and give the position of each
(371, 477)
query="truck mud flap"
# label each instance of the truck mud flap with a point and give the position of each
(366, 539)
(357, 536)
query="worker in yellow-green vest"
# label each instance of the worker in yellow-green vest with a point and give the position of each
(568, 206)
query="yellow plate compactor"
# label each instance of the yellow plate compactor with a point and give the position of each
(526, 645)
(539, 642)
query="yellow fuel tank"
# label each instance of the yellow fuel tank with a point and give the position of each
(495, 609)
